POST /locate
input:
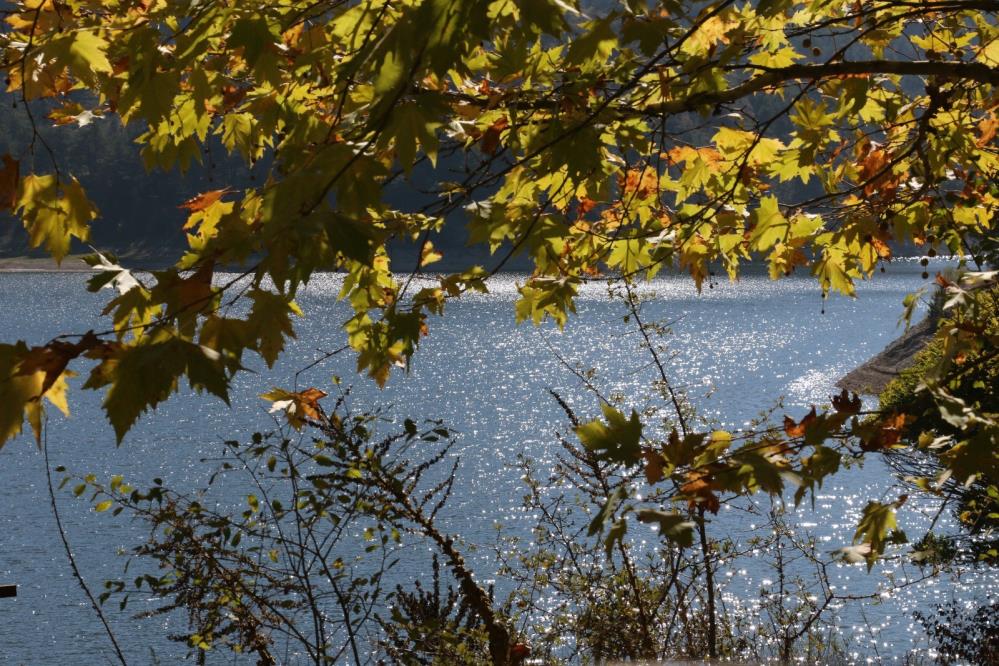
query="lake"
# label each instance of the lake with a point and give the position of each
(735, 349)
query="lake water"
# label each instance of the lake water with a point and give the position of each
(735, 349)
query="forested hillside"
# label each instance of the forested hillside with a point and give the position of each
(139, 206)
(138, 210)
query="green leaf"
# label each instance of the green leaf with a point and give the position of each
(615, 535)
(269, 323)
(875, 523)
(618, 440)
(672, 525)
(607, 510)
(142, 376)
(253, 35)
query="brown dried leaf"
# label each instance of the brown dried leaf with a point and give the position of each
(10, 176)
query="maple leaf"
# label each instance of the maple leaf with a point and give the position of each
(85, 52)
(672, 525)
(769, 225)
(641, 183)
(110, 275)
(699, 489)
(66, 114)
(54, 212)
(881, 247)
(53, 358)
(618, 440)
(204, 200)
(795, 430)
(678, 154)
(297, 407)
(194, 293)
(429, 254)
(941, 280)
(987, 130)
(308, 401)
(269, 323)
(874, 162)
(653, 466)
(586, 205)
(491, 137)
(845, 405)
(875, 530)
(712, 31)
(883, 434)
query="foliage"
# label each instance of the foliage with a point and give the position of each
(967, 379)
(604, 142)
(622, 139)
(300, 565)
(428, 628)
(583, 603)
(964, 635)
(286, 568)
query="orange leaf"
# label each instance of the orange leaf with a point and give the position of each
(889, 432)
(308, 402)
(640, 183)
(873, 162)
(699, 489)
(679, 154)
(292, 35)
(232, 95)
(491, 137)
(586, 205)
(204, 200)
(520, 651)
(798, 429)
(882, 248)
(987, 128)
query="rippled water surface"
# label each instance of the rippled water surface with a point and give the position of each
(736, 349)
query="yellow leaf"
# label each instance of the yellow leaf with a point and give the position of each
(17, 393)
(429, 254)
(712, 31)
(989, 54)
(53, 213)
(57, 393)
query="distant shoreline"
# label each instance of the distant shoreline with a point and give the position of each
(70, 264)
(74, 263)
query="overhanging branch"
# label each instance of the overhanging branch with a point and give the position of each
(970, 71)
(767, 78)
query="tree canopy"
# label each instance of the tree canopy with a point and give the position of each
(603, 140)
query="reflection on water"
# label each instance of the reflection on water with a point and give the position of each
(736, 349)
